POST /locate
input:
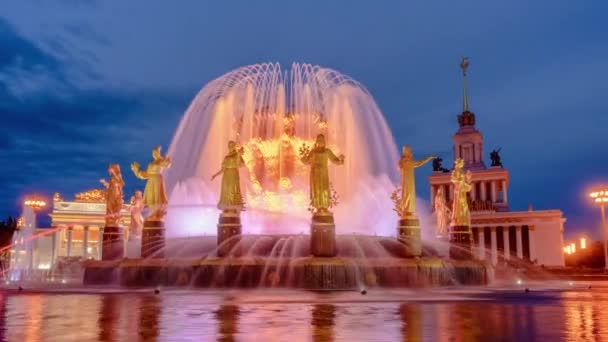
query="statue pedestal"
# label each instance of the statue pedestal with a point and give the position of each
(323, 236)
(228, 232)
(113, 244)
(460, 243)
(408, 232)
(153, 239)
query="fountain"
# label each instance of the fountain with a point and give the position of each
(272, 118)
(21, 248)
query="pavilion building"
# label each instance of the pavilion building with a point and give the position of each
(498, 232)
(76, 229)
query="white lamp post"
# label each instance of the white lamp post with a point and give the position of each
(600, 196)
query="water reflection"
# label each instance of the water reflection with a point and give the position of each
(227, 316)
(108, 317)
(297, 316)
(149, 311)
(411, 321)
(322, 322)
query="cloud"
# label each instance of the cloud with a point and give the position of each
(96, 82)
(59, 136)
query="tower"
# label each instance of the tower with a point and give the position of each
(468, 141)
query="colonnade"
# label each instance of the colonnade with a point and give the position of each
(494, 242)
(483, 190)
(70, 243)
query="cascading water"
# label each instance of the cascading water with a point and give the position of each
(272, 113)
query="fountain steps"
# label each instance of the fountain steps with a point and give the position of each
(306, 272)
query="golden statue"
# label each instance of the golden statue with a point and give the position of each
(461, 215)
(137, 220)
(113, 195)
(155, 196)
(318, 158)
(406, 204)
(231, 199)
(442, 213)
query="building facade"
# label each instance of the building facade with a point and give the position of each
(498, 233)
(76, 229)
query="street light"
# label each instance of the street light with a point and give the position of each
(35, 203)
(600, 196)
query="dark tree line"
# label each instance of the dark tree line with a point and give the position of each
(7, 229)
(591, 257)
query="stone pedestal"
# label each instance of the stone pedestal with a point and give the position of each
(460, 243)
(228, 234)
(112, 247)
(153, 239)
(408, 232)
(323, 236)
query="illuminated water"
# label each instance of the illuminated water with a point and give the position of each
(564, 312)
(272, 113)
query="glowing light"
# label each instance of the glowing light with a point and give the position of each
(44, 266)
(519, 282)
(270, 114)
(573, 247)
(35, 203)
(583, 243)
(568, 250)
(599, 196)
(273, 165)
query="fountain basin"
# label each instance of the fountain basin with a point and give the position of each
(312, 273)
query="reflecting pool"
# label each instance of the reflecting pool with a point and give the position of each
(551, 312)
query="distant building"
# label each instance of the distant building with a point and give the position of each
(498, 232)
(76, 229)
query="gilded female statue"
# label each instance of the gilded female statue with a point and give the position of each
(231, 198)
(407, 164)
(318, 158)
(137, 220)
(114, 200)
(461, 215)
(155, 196)
(442, 213)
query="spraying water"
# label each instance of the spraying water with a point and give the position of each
(272, 113)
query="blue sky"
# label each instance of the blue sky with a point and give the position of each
(88, 83)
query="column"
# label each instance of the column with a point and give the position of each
(69, 242)
(30, 254)
(505, 238)
(494, 245)
(99, 242)
(53, 247)
(482, 185)
(432, 198)
(473, 191)
(480, 246)
(504, 192)
(493, 189)
(85, 242)
(532, 241)
(520, 249)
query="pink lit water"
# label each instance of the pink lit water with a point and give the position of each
(563, 312)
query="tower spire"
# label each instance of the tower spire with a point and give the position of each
(464, 65)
